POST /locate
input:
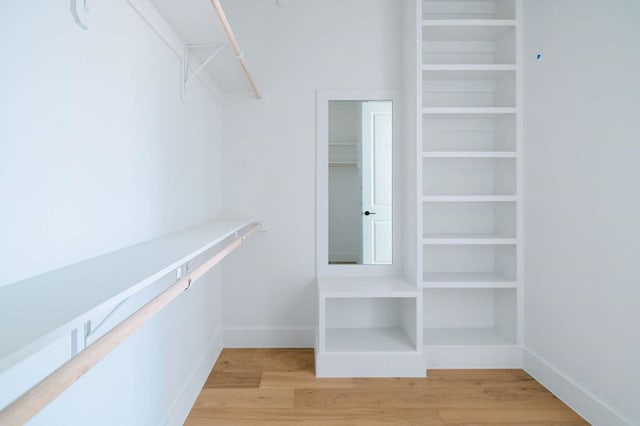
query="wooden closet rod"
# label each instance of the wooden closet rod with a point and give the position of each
(234, 43)
(39, 396)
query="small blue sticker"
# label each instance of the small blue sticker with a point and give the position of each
(539, 56)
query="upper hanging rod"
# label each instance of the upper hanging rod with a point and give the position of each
(234, 44)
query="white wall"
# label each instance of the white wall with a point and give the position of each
(269, 151)
(97, 152)
(582, 209)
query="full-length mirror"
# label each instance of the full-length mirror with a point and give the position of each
(360, 186)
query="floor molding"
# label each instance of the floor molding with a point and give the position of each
(270, 337)
(182, 406)
(571, 393)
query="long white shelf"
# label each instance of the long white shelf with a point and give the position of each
(357, 287)
(469, 111)
(467, 280)
(460, 30)
(469, 67)
(350, 340)
(469, 154)
(467, 239)
(462, 72)
(465, 337)
(469, 198)
(343, 164)
(468, 22)
(39, 310)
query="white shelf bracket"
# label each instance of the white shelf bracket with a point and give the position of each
(73, 8)
(187, 73)
(89, 331)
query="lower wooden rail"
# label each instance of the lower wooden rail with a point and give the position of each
(39, 396)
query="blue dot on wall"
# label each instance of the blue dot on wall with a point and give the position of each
(539, 56)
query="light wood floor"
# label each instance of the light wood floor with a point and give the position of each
(278, 386)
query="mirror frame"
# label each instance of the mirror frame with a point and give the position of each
(323, 97)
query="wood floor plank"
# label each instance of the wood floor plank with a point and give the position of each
(233, 379)
(211, 399)
(279, 387)
(319, 417)
(446, 396)
(292, 359)
(512, 416)
(493, 375)
(302, 380)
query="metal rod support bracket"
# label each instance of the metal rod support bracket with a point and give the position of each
(187, 73)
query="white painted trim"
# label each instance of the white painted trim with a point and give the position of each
(473, 356)
(570, 392)
(519, 97)
(369, 364)
(150, 15)
(269, 337)
(182, 406)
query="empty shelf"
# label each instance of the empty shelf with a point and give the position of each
(467, 280)
(465, 337)
(368, 340)
(365, 287)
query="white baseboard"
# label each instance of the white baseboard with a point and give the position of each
(571, 393)
(271, 337)
(182, 406)
(331, 364)
(473, 356)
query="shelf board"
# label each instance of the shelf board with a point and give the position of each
(465, 337)
(467, 280)
(467, 239)
(468, 22)
(469, 67)
(460, 30)
(469, 198)
(41, 309)
(368, 340)
(475, 112)
(343, 164)
(469, 154)
(358, 287)
(459, 72)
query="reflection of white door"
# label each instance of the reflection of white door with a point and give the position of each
(376, 182)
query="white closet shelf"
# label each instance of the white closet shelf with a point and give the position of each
(469, 112)
(465, 337)
(41, 309)
(467, 239)
(469, 154)
(343, 164)
(471, 69)
(468, 22)
(369, 287)
(370, 340)
(434, 31)
(469, 198)
(467, 280)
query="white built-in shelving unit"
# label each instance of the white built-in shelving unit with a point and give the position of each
(459, 304)
(468, 180)
(369, 327)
